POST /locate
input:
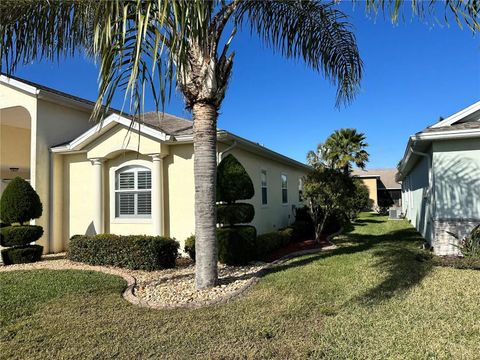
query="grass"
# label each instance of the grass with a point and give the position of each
(369, 299)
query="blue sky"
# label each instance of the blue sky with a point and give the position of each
(414, 72)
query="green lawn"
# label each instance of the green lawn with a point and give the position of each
(369, 299)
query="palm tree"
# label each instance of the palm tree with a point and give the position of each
(165, 43)
(341, 150)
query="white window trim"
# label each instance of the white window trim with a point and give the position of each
(112, 175)
(281, 189)
(261, 187)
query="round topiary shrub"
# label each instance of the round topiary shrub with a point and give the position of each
(237, 213)
(233, 182)
(20, 235)
(20, 203)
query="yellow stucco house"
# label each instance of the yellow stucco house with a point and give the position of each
(382, 186)
(103, 178)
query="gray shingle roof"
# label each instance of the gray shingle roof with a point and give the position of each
(459, 126)
(169, 124)
(387, 177)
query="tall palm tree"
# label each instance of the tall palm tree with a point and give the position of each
(343, 149)
(160, 44)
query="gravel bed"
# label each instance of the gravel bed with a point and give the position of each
(177, 288)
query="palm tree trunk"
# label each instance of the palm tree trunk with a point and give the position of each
(205, 172)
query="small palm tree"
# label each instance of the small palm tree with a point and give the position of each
(341, 150)
(160, 44)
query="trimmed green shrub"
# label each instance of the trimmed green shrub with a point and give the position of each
(233, 182)
(269, 242)
(189, 246)
(20, 235)
(237, 213)
(132, 252)
(19, 203)
(22, 254)
(236, 245)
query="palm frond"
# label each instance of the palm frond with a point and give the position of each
(31, 30)
(463, 12)
(313, 31)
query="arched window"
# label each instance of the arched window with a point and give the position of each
(133, 192)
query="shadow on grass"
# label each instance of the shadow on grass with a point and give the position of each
(395, 255)
(398, 261)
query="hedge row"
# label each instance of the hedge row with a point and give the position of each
(269, 242)
(238, 245)
(132, 252)
(235, 245)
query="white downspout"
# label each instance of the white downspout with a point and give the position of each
(220, 154)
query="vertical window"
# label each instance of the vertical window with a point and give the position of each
(133, 192)
(263, 180)
(284, 189)
(300, 189)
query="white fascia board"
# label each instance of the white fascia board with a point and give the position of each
(445, 135)
(458, 116)
(406, 158)
(142, 128)
(19, 85)
(94, 132)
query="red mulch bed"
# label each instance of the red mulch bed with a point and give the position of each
(297, 246)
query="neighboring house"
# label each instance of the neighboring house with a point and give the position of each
(104, 178)
(440, 174)
(383, 189)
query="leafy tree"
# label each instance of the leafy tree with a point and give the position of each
(158, 44)
(328, 191)
(359, 201)
(341, 149)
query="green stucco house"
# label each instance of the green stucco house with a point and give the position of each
(440, 175)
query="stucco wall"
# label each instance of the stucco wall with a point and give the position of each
(274, 215)
(55, 124)
(14, 151)
(371, 184)
(456, 167)
(416, 203)
(178, 190)
(77, 196)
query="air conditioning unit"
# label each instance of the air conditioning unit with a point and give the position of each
(394, 213)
